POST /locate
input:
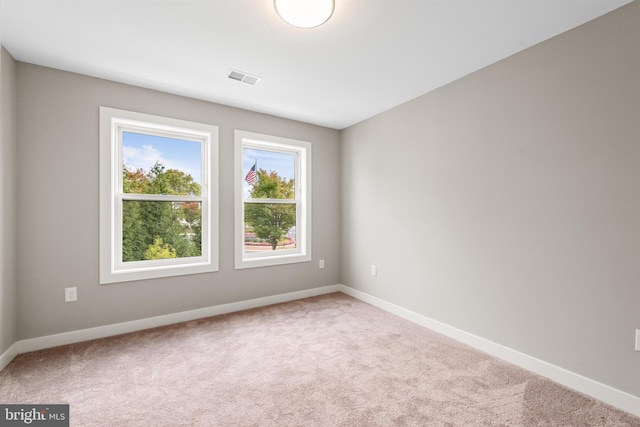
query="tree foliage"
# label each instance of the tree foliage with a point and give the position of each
(148, 227)
(271, 221)
(173, 182)
(159, 250)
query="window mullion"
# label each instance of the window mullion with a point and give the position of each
(161, 197)
(272, 201)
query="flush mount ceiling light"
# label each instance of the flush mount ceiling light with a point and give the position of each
(304, 13)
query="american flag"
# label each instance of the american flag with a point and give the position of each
(251, 177)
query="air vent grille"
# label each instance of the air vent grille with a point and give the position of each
(243, 77)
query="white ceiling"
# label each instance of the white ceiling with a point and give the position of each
(371, 56)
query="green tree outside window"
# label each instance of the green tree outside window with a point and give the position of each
(157, 229)
(271, 221)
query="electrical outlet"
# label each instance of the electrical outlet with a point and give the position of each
(374, 270)
(70, 294)
(638, 339)
(321, 264)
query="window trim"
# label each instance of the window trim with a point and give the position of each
(302, 149)
(112, 123)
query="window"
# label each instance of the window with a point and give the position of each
(272, 200)
(158, 196)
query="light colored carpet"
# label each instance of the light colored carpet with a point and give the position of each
(324, 361)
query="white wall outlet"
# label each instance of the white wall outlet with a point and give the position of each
(70, 294)
(638, 339)
(374, 270)
(321, 264)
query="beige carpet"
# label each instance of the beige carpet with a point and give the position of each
(324, 361)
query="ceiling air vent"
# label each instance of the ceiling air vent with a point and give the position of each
(243, 77)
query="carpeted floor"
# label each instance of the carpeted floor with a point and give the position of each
(324, 361)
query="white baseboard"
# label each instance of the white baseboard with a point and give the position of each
(8, 355)
(602, 392)
(72, 337)
(614, 397)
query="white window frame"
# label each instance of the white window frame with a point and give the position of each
(113, 122)
(302, 151)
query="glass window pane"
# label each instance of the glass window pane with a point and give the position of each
(269, 226)
(159, 165)
(161, 230)
(268, 174)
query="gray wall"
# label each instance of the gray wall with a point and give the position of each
(507, 204)
(58, 205)
(8, 201)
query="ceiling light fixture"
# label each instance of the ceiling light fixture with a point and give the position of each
(304, 13)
